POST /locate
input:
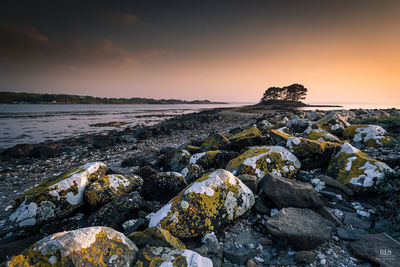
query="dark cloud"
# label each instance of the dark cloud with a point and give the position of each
(122, 18)
(16, 36)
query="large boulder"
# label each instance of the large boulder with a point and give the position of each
(285, 192)
(92, 246)
(156, 237)
(312, 153)
(379, 248)
(265, 159)
(212, 201)
(163, 186)
(248, 137)
(369, 135)
(109, 187)
(213, 159)
(352, 167)
(335, 122)
(57, 197)
(164, 256)
(302, 229)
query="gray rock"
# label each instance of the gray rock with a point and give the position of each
(329, 181)
(353, 220)
(379, 248)
(301, 229)
(251, 181)
(284, 192)
(328, 215)
(305, 257)
(163, 186)
(351, 234)
(260, 206)
(239, 255)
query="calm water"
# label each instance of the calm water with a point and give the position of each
(37, 123)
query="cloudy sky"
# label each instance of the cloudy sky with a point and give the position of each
(342, 51)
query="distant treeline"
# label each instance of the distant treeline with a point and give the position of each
(30, 98)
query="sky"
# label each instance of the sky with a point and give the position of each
(343, 51)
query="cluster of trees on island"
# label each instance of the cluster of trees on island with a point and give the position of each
(31, 98)
(292, 93)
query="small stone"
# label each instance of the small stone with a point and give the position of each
(305, 257)
(351, 234)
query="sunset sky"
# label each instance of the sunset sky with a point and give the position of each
(342, 51)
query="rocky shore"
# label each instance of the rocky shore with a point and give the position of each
(225, 187)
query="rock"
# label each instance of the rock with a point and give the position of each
(369, 135)
(212, 159)
(163, 186)
(102, 141)
(264, 126)
(178, 161)
(265, 159)
(249, 137)
(315, 115)
(214, 251)
(56, 198)
(17, 151)
(284, 192)
(379, 248)
(335, 123)
(321, 135)
(215, 142)
(109, 187)
(44, 151)
(193, 149)
(148, 157)
(163, 256)
(279, 136)
(146, 134)
(212, 201)
(305, 257)
(156, 237)
(92, 246)
(192, 172)
(351, 234)
(260, 206)
(356, 169)
(242, 249)
(329, 181)
(15, 247)
(312, 153)
(328, 215)
(352, 220)
(139, 224)
(250, 181)
(297, 124)
(302, 229)
(120, 209)
(146, 171)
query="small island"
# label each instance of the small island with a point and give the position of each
(32, 98)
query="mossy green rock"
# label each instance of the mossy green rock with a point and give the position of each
(278, 136)
(57, 197)
(109, 187)
(265, 159)
(178, 161)
(156, 237)
(312, 153)
(369, 135)
(247, 133)
(213, 159)
(212, 201)
(354, 168)
(91, 246)
(164, 256)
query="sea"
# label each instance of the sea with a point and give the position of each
(36, 123)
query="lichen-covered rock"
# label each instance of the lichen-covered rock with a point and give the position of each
(91, 246)
(215, 142)
(109, 187)
(212, 159)
(192, 172)
(321, 135)
(163, 186)
(279, 136)
(312, 153)
(156, 237)
(250, 132)
(335, 122)
(248, 137)
(265, 159)
(163, 256)
(297, 124)
(212, 201)
(370, 135)
(354, 168)
(57, 197)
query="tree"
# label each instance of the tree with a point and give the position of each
(292, 93)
